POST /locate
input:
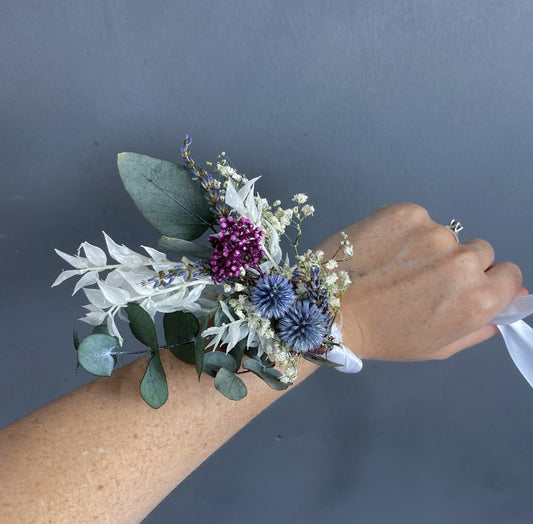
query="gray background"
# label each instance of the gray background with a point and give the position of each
(357, 103)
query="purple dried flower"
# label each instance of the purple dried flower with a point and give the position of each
(236, 246)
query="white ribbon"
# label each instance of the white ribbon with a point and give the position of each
(518, 336)
(340, 354)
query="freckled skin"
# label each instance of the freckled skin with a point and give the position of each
(416, 294)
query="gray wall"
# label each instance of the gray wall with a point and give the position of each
(357, 103)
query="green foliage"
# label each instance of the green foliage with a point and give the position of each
(154, 389)
(166, 195)
(214, 360)
(238, 351)
(220, 316)
(76, 338)
(184, 247)
(263, 358)
(142, 325)
(102, 329)
(268, 374)
(320, 361)
(199, 348)
(95, 354)
(181, 330)
(230, 385)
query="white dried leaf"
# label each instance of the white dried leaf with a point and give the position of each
(234, 200)
(88, 279)
(95, 255)
(112, 328)
(97, 298)
(114, 295)
(155, 255)
(64, 275)
(122, 254)
(95, 318)
(77, 262)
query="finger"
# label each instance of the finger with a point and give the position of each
(504, 282)
(486, 332)
(483, 250)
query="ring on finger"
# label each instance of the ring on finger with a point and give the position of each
(455, 227)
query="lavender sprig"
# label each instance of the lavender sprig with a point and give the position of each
(207, 181)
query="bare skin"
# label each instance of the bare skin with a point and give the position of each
(101, 454)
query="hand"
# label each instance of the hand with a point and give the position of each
(416, 293)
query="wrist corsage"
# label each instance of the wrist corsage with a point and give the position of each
(237, 305)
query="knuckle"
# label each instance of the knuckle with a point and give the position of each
(463, 262)
(467, 262)
(408, 212)
(479, 306)
(514, 271)
(437, 238)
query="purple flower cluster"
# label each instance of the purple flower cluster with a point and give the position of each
(236, 246)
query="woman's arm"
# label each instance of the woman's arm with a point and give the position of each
(100, 453)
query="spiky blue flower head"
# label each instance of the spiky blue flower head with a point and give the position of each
(272, 296)
(304, 326)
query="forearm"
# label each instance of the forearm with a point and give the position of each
(102, 454)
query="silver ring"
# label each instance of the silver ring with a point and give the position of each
(455, 227)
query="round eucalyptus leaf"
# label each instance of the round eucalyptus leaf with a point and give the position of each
(154, 389)
(214, 360)
(142, 325)
(166, 195)
(180, 327)
(95, 354)
(271, 376)
(186, 353)
(230, 385)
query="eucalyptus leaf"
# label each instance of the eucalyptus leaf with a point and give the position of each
(214, 360)
(180, 327)
(238, 351)
(320, 361)
(184, 247)
(262, 358)
(154, 389)
(76, 338)
(230, 385)
(181, 330)
(166, 195)
(199, 348)
(142, 326)
(271, 376)
(102, 329)
(95, 354)
(187, 353)
(220, 316)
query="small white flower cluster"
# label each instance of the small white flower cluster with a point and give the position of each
(126, 282)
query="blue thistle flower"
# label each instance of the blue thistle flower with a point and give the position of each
(272, 296)
(304, 326)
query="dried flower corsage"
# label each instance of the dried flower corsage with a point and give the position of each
(241, 296)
